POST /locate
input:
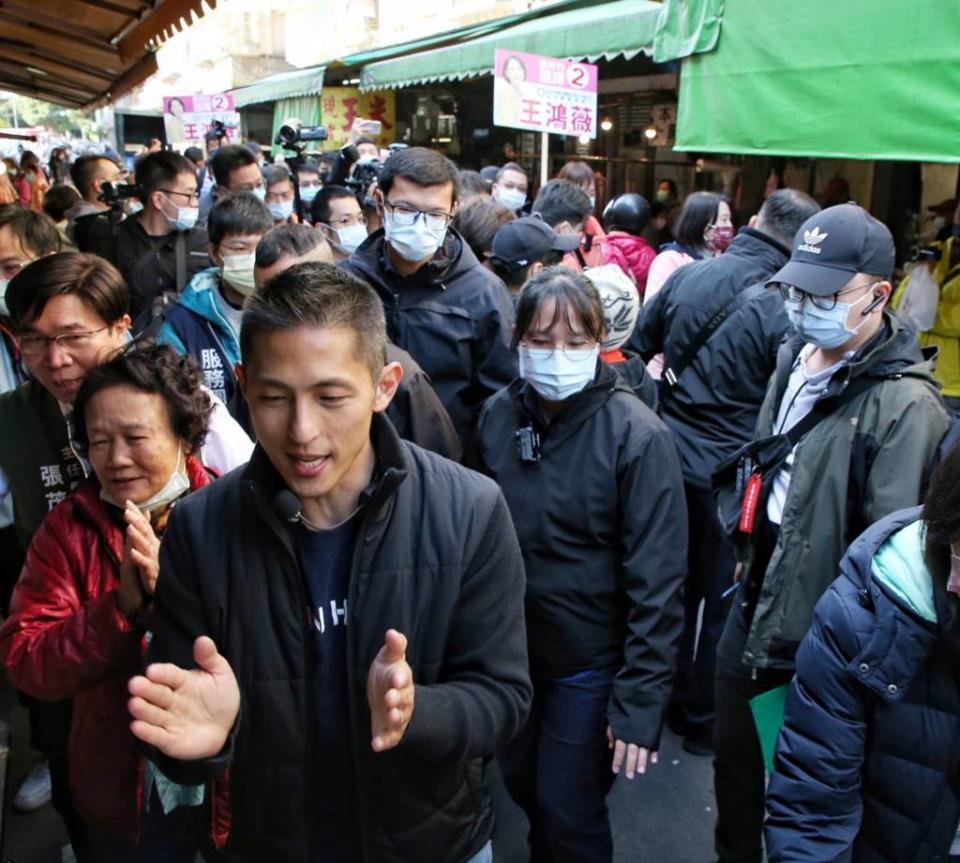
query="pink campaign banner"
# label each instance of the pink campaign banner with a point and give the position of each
(188, 118)
(544, 94)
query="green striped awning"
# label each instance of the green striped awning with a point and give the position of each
(286, 85)
(588, 32)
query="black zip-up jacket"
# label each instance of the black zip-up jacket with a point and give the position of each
(602, 524)
(713, 408)
(436, 558)
(453, 316)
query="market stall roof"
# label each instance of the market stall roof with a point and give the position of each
(577, 31)
(819, 78)
(82, 53)
(285, 85)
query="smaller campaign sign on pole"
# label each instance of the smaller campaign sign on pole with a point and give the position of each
(544, 94)
(187, 119)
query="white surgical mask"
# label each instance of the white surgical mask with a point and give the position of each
(3, 297)
(238, 272)
(512, 199)
(414, 242)
(593, 201)
(176, 486)
(260, 193)
(186, 218)
(554, 375)
(349, 239)
(281, 210)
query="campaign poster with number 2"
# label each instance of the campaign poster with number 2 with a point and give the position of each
(543, 94)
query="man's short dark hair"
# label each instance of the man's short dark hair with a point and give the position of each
(699, 211)
(194, 154)
(84, 171)
(227, 160)
(471, 181)
(241, 214)
(782, 214)
(92, 279)
(308, 166)
(317, 295)
(286, 239)
(161, 169)
(510, 166)
(562, 201)
(320, 210)
(37, 234)
(58, 200)
(421, 166)
(156, 369)
(254, 148)
(273, 174)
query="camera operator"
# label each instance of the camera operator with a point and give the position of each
(88, 174)
(160, 248)
(367, 150)
(336, 213)
(235, 169)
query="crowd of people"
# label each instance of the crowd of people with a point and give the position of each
(323, 487)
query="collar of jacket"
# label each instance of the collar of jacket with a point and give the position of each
(749, 240)
(453, 258)
(899, 643)
(581, 406)
(393, 465)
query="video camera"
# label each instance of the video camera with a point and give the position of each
(114, 194)
(364, 172)
(292, 134)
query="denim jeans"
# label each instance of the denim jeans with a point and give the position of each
(558, 769)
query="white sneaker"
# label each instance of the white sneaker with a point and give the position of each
(35, 790)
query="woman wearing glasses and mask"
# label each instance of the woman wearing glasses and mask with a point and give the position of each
(593, 483)
(81, 609)
(868, 761)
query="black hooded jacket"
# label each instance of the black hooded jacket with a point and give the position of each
(453, 316)
(713, 408)
(602, 523)
(436, 558)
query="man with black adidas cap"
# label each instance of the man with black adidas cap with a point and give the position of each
(522, 248)
(847, 434)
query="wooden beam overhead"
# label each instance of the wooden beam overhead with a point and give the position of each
(136, 12)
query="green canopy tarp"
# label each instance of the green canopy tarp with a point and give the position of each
(822, 78)
(286, 85)
(620, 28)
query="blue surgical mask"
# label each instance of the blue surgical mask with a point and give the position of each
(281, 210)
(308, 193)
(554, 375)
(414, 242)
(186, 218)
(821, 328)
(260, 193)
(512, 199)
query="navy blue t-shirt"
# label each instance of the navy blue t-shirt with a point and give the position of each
(325, 558)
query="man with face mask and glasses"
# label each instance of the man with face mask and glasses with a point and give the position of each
(847, 434)
(205, 322)
(443, 306)
(160, 248)
(336, 213)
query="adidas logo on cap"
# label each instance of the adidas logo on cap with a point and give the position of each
(812, 240)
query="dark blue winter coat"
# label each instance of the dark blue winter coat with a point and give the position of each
(870, 738)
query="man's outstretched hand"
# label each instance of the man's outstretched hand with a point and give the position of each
(187, 715)
(390, 692)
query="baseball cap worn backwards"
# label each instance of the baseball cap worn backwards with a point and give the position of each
(524, 241)
(833, 246)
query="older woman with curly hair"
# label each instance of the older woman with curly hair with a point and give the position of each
(81, 609)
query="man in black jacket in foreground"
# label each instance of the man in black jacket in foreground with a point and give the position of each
(341, 621)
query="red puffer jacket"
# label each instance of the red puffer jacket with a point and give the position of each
(639, 254)
(66, 638)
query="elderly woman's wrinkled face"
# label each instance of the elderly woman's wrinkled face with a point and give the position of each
(132, 446)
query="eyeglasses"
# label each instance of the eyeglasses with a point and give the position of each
(347, 221)
(577, 352)
(311, 184)
(793, 294)
(35, 346)
(190, 196)
(406, 216)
